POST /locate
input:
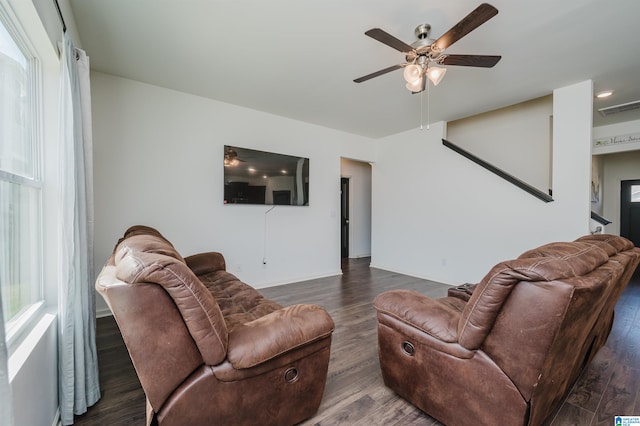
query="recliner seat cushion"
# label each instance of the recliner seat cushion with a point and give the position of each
(239, 302)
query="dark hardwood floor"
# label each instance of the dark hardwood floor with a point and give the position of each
(354, 393)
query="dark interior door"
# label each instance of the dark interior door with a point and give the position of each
(344, 215)
(630, 210)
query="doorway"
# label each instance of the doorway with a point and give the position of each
(355, 209)
(344, 217)
(630, 210)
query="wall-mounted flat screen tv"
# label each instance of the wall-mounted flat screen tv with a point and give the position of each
(258, 177)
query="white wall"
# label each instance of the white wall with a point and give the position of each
(434, 212)
(158, 158)
(516, 139)
(437, 215)
(359, 174)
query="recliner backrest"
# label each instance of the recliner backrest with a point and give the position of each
(565, 260)
(150, 259)
(612, 244)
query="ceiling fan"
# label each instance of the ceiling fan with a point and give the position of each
(422, 55)
(231, 157)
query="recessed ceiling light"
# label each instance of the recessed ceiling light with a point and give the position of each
(604, 94)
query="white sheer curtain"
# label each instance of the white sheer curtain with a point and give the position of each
(6, 411)
(77, 356)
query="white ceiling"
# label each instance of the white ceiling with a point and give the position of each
(298, 58)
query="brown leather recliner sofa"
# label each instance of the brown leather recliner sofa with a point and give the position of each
(508, 349)
(207, 348)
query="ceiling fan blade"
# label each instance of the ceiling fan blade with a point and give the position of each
(479, 16)
(484, 61)
(377, 73)
(386, 38)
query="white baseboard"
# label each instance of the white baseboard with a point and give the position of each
(296, 280)
(360, 256)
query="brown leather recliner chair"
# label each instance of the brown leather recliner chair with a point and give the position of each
(207, 348)
(510, 352)
(619, 250)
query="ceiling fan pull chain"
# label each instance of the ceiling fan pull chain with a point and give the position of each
(421, 114)
(428, 106)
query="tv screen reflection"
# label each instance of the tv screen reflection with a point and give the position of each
(259, 177)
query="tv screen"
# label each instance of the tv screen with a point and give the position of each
(258, 177)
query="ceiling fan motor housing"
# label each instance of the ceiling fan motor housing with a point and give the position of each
(422, 47)
(422, 31)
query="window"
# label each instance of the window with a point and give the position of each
(635, 193)
(20, 184)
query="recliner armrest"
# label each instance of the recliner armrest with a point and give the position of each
(431, 316)
(203, 263)
(276, 333)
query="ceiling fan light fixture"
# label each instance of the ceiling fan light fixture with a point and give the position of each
(412, 74)
(415, 86)
(436, 74)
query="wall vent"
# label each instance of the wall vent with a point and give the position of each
(629, 106)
